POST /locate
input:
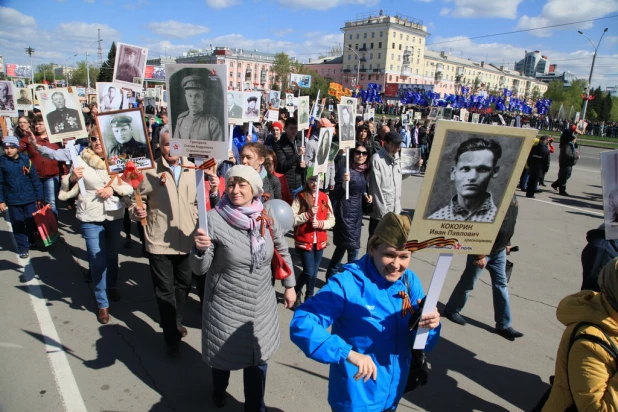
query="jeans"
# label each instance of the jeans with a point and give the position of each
(424, 151)
(311, 265)
(335, 261)
(254, 381)
(171, 277)
(296, 191)
(102, 240)
(532, 185)
(496, 265)
(564, 174)
(23, 225)
(50, 191)
(523, 180)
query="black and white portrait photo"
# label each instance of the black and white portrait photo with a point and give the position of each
(303, 113)
(123, 134)
(7, 99)
(609, 179)
(150, 106)
(197, 109)
(274, 99)
(61, 111)
(410, 161)
(289, 101)
(321, 157)
(24, 99)
(251, 106)
(433, 113)
(447, 114)
(475, 117)
(110, 97)
(473, 172)
(347, 130)
(130, 65)
(19, 83)
(234, 107)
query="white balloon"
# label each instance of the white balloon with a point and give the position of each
(282, 213)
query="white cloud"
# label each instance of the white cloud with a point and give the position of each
(165, 48)
(176, 29)
(13, 18)
(221, 4)
(504, 54)
(85, 33)
(325, 4)
(506, 9)
(281, 32)
(567, 11)
(445, 11)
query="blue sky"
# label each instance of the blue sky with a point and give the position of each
(59, 29)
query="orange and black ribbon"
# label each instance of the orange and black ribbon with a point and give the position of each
(440, 242)
(406, 306)
(206, 165)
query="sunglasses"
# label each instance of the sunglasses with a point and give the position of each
(361, 152)
(94, 139)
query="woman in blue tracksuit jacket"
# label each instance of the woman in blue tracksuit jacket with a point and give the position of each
(369, 346)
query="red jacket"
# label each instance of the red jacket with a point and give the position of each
(285, 190)
(304, 232)
(45, 167)
(207, 190)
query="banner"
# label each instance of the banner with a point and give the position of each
(18, 70)
(301, 80)
(154, 73)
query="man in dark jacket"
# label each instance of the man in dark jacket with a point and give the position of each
(495, 263)
(538, 165)
(289, 160)
(567, 159)
(597, 253)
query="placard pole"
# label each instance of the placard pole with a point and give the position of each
(201, 199)
(347, 169)
(73, 152)
(433, 294)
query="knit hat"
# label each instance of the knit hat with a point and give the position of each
(608, 283)
(393, 230)
(250, 175)
(277, 125)
(10, 141)
(573, 128)
(324, 122)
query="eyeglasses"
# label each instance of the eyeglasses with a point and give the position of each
(94, 139)
(361, 152)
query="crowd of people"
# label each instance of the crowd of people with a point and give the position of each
(230, 258)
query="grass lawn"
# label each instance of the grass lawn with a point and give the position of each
(585, 140)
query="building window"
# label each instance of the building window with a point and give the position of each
(393, 46)
(328, 71)
(407, 38)
(350, 37)
(357, 36)
(231, 64)
(377, 77)
(370, 66)
(364, 35)
(364, 45)
(231, 83)
(232, 75)
(400, 47)
(348, 67)
(378, 66)
(379, 45)
(399, 57)
(400, 36)
(391, 67)
(425, 72)
(373, 35)
(396, 79)
(413, 39)
(418, 61)
(349, 56)
(379, 55)
(371, 45)
(392, 56)
(369, 77)
(362, 77)
(416, 71)
(394, 34)
(356, 46)
(390, 77)
(370, 56)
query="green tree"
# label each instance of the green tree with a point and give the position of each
(606, 109)
(107, 68)
(282, 69)
(79, 75)
(613, 117)
(566, 96)
(44, 72)
(595, 105)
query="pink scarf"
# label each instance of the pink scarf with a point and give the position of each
(245, 218)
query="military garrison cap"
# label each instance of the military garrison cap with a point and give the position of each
(192, 82)
(252, 99)
(121, 121)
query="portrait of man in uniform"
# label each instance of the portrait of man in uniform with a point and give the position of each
(275, 99)
(234, 111)
(23, 97)
(7, 102)
(126, 145)
(347, 131)
(127, 69)
(150, 108)
(323, 147)
(303, 111)
(63, 119)
(252, 111)
(195, 123)
(476, 164)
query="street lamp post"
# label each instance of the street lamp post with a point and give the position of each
(357, 66)
(594, 57)
(30, 52)
(88, 67)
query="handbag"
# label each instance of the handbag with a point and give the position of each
(47, 224)
(419, 369)
(281, 270)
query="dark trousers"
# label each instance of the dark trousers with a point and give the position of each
(564, 174)
(171, 278)
(373, 224)
(254, 380)
(126, 225)
(23, 225)
(532, 185)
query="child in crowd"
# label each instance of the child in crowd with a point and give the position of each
(21, 191)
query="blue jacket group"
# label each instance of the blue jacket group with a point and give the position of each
(19, 181)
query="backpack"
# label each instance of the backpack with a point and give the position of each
(610, 348)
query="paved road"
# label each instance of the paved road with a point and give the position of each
(48, 319)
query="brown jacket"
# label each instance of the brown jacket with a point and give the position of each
(45, 167)
(172, 210)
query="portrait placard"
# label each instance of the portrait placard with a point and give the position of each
(456, 118)
(19, 83)
(197, 110)
(303, 113)
(124, 137)
(110, 97)
(372, 114)
(35, 88)
(8, 104)
(273, 115)
(150, 106)
(347, 131)
(234, 107)
(463, 115)
(300, 80)
(475, 117)
(609, 179)
(24, 99)
(62, 114)
(433, 113)
(274, 99)
(468, 186)
(321, 154)
(128, 98)
(447, 114)
(502, 122)
(92, 98)
(410, 161)
(350, 101)
(289, 102)
(130, 66)
(251, 106)
(405, 119)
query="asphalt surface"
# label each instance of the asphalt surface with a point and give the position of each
(48, 318)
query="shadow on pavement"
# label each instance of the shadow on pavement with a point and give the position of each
(572, 201)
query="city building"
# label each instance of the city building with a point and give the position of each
(328, 67)
(612, 90)
(63, 71)
(533, 63)
(565, 77)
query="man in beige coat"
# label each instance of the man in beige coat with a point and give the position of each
(171, 213)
